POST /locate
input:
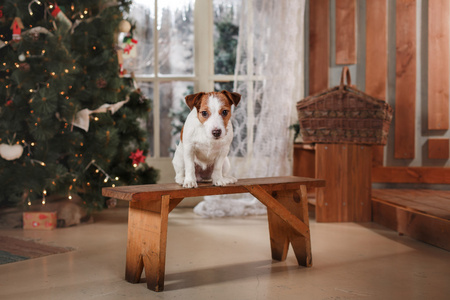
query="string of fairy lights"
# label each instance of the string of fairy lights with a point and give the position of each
(51, 6)
(33, 95)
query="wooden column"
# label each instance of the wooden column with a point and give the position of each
(346, 168)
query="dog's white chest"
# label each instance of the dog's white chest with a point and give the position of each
(205, 153)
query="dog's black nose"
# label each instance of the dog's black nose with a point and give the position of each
(216, 133)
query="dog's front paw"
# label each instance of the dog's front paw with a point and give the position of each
(179, 180)
(221, 181)
(190, 183)
(230, 179)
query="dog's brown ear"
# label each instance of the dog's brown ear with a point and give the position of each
(233, 97)
(194, 100)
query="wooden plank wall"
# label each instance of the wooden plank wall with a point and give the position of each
(376, 58)
(438, 63)
(319, 45)
(416, 84)
(345, 32)
(438, 148)
(417, 175)
(405, 79)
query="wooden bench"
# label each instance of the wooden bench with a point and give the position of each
(422, 214)
(287, 209)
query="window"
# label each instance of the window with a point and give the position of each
(183, 46)
(163, 63)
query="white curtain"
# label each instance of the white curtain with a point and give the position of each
(271, 51)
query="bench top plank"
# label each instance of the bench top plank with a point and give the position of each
(152, 192)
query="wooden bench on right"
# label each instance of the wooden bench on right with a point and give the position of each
(423, 214)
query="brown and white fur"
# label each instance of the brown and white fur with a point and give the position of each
(205, 142)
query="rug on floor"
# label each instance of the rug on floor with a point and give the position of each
(13, 250)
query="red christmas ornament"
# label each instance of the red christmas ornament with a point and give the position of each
(137, 157)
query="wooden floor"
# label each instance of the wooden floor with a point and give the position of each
(229, 258)
(420, 214)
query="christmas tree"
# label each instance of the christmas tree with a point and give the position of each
(69, 122)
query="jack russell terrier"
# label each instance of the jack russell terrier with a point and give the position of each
(205, 142)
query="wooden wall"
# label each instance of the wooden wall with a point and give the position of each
(397, 51)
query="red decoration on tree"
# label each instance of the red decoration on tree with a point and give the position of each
(56, 10)
(24, 67)
(127, 49)
(137, 157)
(101, 83)
(129, 43)
(16, 28)
(61, 19)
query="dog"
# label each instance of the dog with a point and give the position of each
(206, 136)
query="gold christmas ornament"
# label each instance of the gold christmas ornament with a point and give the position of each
(124, 26)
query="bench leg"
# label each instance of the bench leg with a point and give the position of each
(147, 239)
(279, 239)
(281, 233)
(302, 244)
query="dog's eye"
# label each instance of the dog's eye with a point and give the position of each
(204, 114)
(225, 113)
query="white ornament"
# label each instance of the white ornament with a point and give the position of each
(82, 117)
(38, 30)
(22, 57)
(11, 152)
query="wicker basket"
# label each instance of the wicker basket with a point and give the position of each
(343, 114)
